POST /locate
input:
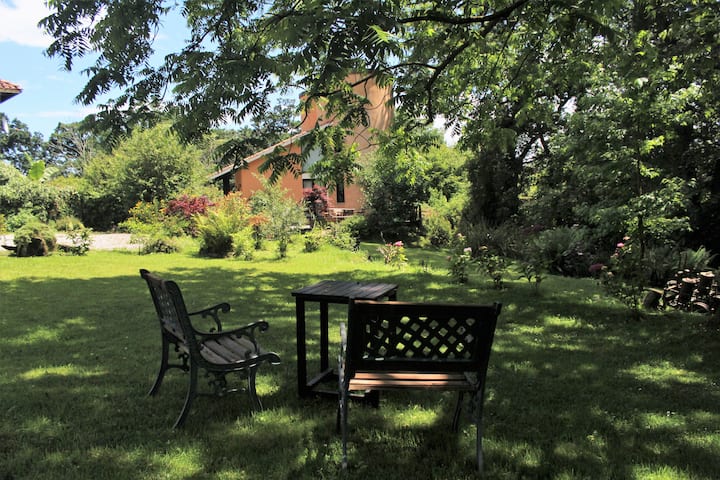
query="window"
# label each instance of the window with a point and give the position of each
(340, 189)
(308, 183)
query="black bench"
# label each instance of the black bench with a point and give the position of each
(217, 351)
(400, 345)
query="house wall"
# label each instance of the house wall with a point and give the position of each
(380, 116)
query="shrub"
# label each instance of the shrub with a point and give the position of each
(79, 237)
(226, 218)
(316, 202)
(68, 224)
(459, 260)
(244, 244)
(357, 226)
(184, 209)
(17, 220)
(566, 250)
(342, 237)
(493, 265)
(34, 239)
(438, 230)
(155, 242)
(626, 274)
(314, 239)
(3, 224)
(394, 254)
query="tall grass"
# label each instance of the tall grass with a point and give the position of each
(575, 389)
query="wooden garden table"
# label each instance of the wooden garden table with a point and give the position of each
(326, 292)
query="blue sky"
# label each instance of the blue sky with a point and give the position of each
(49, 92)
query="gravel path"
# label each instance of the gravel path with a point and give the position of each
(100, 241)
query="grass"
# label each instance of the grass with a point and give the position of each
(575, 389)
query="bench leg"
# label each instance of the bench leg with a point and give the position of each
(478, 422)
(458, 410)
(257, 406)
(191, 394)
(163, 368)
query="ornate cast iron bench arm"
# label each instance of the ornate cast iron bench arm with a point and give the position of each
(213, 312)
(401, 345)
(217, 352)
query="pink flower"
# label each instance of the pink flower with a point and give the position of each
(620, 245)
(398, 244)
(467, 250)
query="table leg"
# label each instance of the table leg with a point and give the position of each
(301, 352)
(324, 364)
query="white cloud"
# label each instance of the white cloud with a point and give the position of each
(18, 22)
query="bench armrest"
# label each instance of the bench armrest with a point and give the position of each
(214, 313)
(246, 331)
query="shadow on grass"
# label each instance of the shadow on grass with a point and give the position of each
(573, 389)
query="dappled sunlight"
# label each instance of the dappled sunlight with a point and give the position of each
(68, 370)
(666, 373)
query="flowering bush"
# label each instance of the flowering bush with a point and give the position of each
(394, 254)
(625, 275)
(493, 265)
(459, 261)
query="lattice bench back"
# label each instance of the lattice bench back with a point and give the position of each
(423, 337)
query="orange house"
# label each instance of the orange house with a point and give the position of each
(345, 199)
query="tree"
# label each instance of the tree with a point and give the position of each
(19, 147)
(638, 155)
(397, 181)
(149, 165)
(71, 147)
(239, 55)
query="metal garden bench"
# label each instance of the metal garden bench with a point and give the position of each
(218, 352)
(399, 345)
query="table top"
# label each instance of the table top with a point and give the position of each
(342, 291)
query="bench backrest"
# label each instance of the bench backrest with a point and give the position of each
(402, 336)
(170, 308)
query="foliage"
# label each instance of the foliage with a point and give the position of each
(34, 239)
(316, 202)
(504, 239)
(19, 147)
(566, 250)
(223, 221)
(460, 259)
(696, 260)
(493, 265)
(155, 242)
(342, 235)
(68, 223)
(42, 199)
(244, 244)
(626, 274)
(394, 254)
(314, 239)
(438, 229)
(80, 239)
(283, 215)
(186, 207)
(150, 164)
(396, 182)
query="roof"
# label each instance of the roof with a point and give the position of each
(228, 169)
(8, 89)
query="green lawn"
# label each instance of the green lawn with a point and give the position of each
(575, 389)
